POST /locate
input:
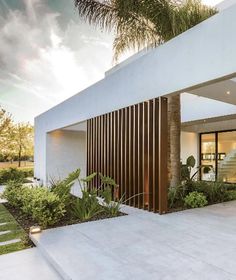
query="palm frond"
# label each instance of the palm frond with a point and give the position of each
(134, 36)
(143, 23)
(100, 14)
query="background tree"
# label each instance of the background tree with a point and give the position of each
(16, 140)
(148, 23)
(21, 143)
(6, 125)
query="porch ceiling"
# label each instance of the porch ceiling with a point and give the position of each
(211, 124)
(82, 126)
(224, 91)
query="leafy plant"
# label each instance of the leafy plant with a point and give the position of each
(87, 206)
(186, 169)
(109, 194)
(88, 179)
(28, 172)
(11, 174)
(230, 195)
(215, 192)
(195, 200)
(13, 193)
(177, 194)
(62, 188)
(46, 207)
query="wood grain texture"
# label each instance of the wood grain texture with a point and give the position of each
(130, 145)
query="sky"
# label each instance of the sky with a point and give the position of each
(47, 54)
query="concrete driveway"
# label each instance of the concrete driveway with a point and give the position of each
(193, 244)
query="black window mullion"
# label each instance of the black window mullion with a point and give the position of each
(200, 155)
(216, 157)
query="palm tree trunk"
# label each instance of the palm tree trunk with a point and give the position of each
(174, 128)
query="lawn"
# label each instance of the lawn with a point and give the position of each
(24, 164)
(16, 232)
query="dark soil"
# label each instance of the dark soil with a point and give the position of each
(26, 222)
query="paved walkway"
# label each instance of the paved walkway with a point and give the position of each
(26, 265)
(193, 244)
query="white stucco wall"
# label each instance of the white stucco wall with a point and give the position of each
(66, 151)
(189, 145)
(203, 54)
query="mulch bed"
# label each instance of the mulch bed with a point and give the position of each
(26, 222)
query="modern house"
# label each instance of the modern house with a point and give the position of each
(118, 126)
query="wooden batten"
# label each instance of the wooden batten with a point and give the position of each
(130, 145)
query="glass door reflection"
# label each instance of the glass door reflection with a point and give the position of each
(227, 156)
(208, 156)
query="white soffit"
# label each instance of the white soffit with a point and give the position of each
(222, 91)
(195, 107)
(77, 127)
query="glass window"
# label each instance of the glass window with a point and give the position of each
(227, 156)
(208, 156)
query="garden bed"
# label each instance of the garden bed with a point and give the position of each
(56, 206)
(26, 222)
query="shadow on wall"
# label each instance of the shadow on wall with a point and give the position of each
(66, 151)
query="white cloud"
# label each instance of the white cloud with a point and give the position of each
(40, 58)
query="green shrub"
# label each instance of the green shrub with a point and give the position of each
(176, 196)
(230, 195)
(11, 174)
(195, 200)
(87, 206)
(45, 206)
(230, 187)
(215, 192)
(28, 172)
(13, 193)
(14, 174)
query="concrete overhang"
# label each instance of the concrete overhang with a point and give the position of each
(199, 57)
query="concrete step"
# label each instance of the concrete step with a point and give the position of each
(26, 264)
(49, 257)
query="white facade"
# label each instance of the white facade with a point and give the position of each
(204, 55)
(66, 151)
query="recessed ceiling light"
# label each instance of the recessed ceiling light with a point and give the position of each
(228, 92)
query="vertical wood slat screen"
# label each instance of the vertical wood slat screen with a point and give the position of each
(130, 145)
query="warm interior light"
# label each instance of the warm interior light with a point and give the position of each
(228, 92)
(35, 229)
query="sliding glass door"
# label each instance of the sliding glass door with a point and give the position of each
(227, 156)
(208, 156)
(218, 150)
